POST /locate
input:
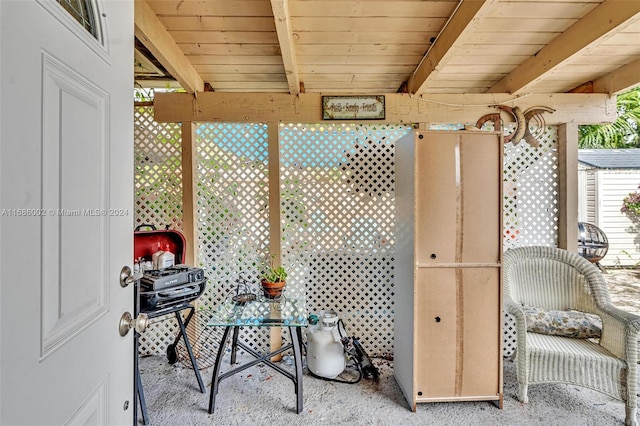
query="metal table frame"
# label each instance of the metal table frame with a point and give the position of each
(234, 324)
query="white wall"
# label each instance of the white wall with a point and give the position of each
(610, 188)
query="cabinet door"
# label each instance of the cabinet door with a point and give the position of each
(458, 333)
(458, 204)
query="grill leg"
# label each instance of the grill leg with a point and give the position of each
(143, 404)
(194, 364)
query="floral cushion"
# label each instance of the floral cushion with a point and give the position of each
(562, 323)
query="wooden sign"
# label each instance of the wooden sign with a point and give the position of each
(353, 107)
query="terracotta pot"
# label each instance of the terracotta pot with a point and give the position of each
(273, 290)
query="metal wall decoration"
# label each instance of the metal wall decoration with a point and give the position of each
(528, 124)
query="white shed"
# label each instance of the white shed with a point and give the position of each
(605, 178)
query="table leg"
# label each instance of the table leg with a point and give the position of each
(296, 342)
(194, 364)
(234, 344)
(215, 381)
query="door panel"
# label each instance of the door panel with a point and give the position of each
(66, 156)
(457, 332)
(457, 205)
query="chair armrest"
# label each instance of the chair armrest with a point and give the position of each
(620, 331)
(513, 308)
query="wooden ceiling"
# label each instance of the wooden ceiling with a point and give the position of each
(381, 46)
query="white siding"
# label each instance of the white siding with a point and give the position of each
(586, 194)
(623, 234)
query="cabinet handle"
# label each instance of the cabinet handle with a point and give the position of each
(433, 255)
(437, 319)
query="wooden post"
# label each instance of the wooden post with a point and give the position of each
(568, 187)
(189, 217)
(189, 193)
(274, 217)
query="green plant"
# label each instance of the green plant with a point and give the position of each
(272, 273)
(631, 203)
(622, 133)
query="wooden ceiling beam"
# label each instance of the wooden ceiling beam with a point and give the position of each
(285, 38)
(624, 78)
(595, 26)
(460, 25)
(151, 33)
(399, 108)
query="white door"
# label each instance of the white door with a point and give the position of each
(66, 156)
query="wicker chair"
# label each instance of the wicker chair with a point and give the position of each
(555, 279)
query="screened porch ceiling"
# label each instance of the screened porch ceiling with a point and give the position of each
(379, 46)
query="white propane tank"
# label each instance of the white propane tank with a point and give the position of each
(325, 353)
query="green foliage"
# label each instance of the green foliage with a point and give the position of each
(631, 203)
(623, 133)
(272, 273)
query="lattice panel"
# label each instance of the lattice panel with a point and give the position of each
(530, 202)
(233, 213)
(158, 171)
(158, 198)
(338, 219)
(530, 192)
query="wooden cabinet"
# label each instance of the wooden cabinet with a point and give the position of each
(448, 316)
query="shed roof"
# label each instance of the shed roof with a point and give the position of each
(610, 158)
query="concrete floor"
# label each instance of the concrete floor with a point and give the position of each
(259, 396)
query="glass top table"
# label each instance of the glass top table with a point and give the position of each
(234, 313)
(282, 312)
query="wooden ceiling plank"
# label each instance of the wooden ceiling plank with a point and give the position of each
(157, 40)
(360, 49)
(230, 49)
(366, 38)
(240, 69)
(529, 10)
(282, 20)
(227, 77)
(233, 37)
(462, 23)
(369, 8)
(591, 29)
(355, 69)
(217, 23)
(234, 60)
(323, 78)
(361, 24)
(358, 60)
(211, 8)
(620, 80)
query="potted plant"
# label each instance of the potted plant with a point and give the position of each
(273, 280)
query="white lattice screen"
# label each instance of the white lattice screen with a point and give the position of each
(338, 219)
(158, 199)
(337, 212)
(158, 171)
(530, 207)
(233, 213)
